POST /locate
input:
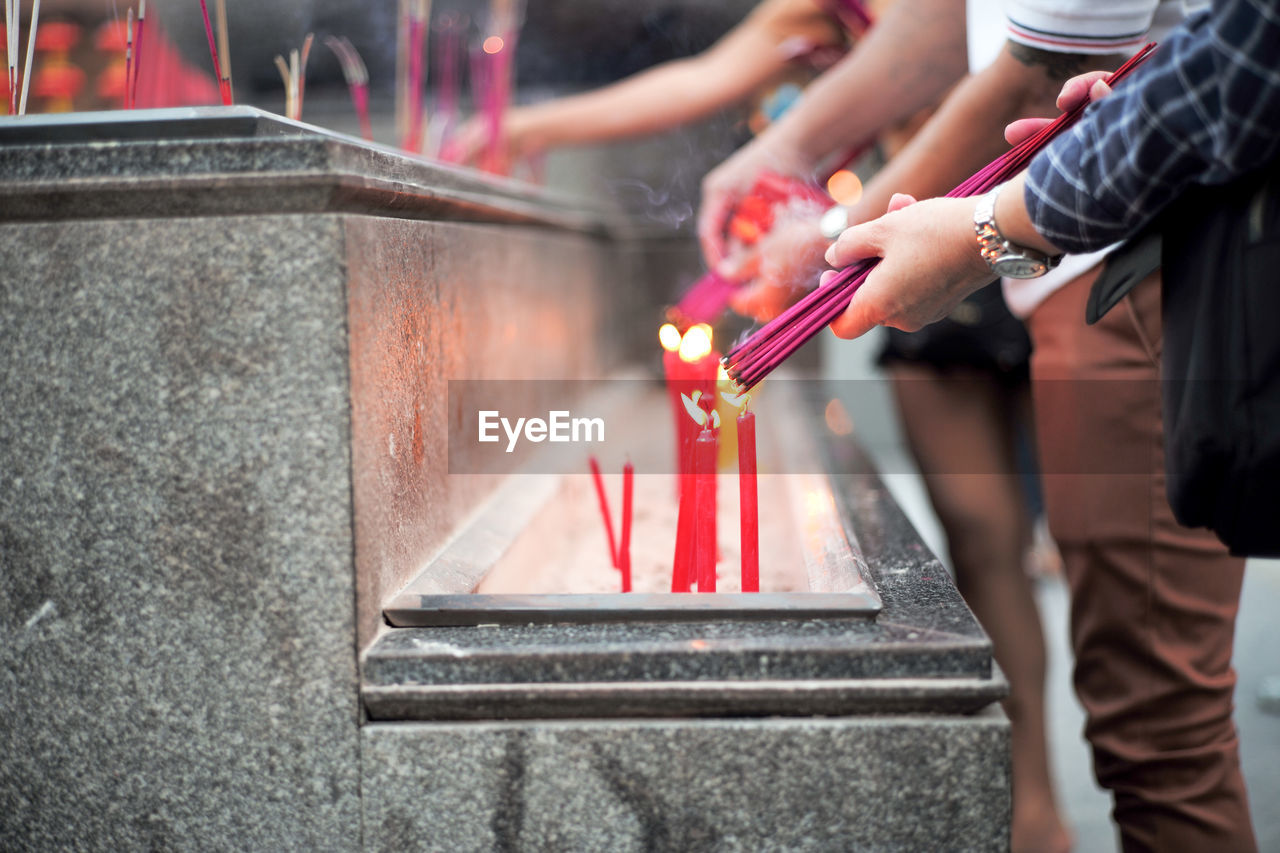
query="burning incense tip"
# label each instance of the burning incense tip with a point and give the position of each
(492, 45)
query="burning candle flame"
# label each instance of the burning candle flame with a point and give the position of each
(669, 337)
(492, 45)
(696, 343)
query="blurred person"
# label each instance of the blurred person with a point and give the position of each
(779, 42)
(962, 388)
(1153, 604)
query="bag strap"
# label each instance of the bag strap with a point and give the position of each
(1134, 260)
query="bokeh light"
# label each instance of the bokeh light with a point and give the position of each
(845, 187)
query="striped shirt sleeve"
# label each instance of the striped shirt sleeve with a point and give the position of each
(1203, 109)
(1080, 26)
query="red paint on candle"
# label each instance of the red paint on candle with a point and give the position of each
(749, 501)
(604, 510)
(705, 517)
(624, 546)
(682, 565)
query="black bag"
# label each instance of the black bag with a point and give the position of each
(1220, 252)
(978, 333)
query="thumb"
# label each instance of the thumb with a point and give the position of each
(854, 244)
(900, 200)
(1023, 128)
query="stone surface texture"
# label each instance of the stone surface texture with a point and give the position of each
(907, 783)
(222, 442)
(222, 448)
(176, 598)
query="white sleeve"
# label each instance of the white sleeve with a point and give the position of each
(1084, 26)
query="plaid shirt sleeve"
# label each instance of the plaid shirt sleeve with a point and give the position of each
(1203, 109)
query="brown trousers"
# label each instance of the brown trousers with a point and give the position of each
(1153, 604)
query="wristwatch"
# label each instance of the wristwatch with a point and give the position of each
(1006, 259)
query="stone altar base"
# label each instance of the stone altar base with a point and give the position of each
(224, 344)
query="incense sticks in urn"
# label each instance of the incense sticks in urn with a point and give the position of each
(619, 551)
(293, 73)
(410, 47)
(755, 358)
(19, 84)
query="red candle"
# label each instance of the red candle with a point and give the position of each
(705, 502)
(682, 569)
(624, 547)
(749, 501)
(604, 510)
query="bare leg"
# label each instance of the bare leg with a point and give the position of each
(960, 427)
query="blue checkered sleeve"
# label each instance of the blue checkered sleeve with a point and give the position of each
(1203, 109)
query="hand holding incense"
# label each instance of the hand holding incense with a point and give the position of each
(756, 357)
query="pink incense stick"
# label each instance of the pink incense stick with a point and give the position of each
(357, 77)
(213, 51)
(624, 546)
(11, 11)
(413, 131)
(128, 58)
(604, 510)
(755, 358)
(137, 55)
(445, 58)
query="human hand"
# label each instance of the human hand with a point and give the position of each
(930, 262)
(727, 184)
(516, 141)
(1091, 85)
(780, 268)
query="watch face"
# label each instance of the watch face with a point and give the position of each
(1014, 266)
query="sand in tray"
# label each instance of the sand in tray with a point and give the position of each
(565, 548)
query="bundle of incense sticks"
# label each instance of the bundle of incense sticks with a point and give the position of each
(357, 77)
(294, 75)
(753, 360)
(219, 52)
(491, 73)
(12, 13)
(445, 56)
